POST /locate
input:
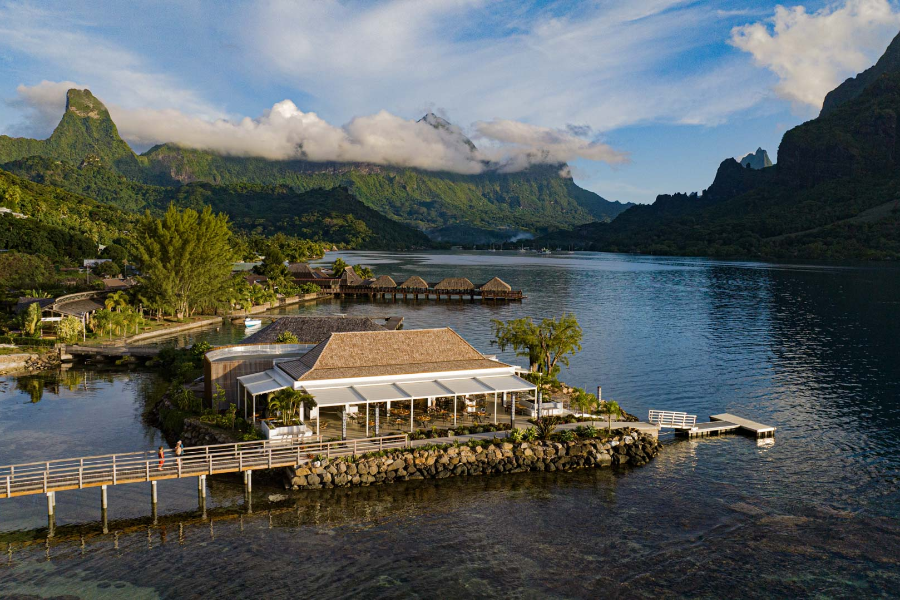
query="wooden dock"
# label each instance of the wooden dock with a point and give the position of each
(686, 425)
(745, 425)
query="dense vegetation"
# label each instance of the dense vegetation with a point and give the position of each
(492, 206)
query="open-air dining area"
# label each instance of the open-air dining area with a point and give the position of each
(381, 418)
(364, 384)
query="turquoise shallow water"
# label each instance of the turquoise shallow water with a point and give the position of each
(812, 349)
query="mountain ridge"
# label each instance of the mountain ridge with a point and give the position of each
(539, 199)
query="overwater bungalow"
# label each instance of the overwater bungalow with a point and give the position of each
(454, 284)
(414, 284)
(384, 282)
(373, 382)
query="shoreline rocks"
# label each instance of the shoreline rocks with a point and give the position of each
(629, 448)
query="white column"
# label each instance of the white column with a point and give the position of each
(454, 411)
(253, 417)
(412, 403)
(495, 408)
(367, 419)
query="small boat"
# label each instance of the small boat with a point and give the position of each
(248, 322)
(545, 251)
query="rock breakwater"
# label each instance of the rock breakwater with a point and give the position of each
(490, 458)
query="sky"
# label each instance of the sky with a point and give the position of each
(640, 97)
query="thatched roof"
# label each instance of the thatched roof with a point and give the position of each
(385, 281)
(385, 353)
(350, 277)
(301, 269)
(311, 330)
(496, 285)
(454, 283)
(415, 283)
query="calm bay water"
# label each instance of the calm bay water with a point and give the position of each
(814, 350)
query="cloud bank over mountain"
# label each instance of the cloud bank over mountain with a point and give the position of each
(811, 53)
(286, 132)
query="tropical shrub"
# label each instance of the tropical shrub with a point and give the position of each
(286, 337)
(69, 330)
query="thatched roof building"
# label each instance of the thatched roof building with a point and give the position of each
(414, 283)
(311, 330)
(496, 285)
(350, 277)
(454, 283)
(385, 281)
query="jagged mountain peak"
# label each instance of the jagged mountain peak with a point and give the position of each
(445, 125)
(854, 86)
(756, 160)
(84, 104)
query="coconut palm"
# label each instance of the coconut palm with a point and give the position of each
(116, 300)
(611, 409)
(585, 401)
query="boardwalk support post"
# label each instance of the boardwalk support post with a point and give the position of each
(248, 480)
(201, 482)
(50, 504)
(153, 492)
(103, 499)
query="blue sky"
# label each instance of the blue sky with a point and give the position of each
(642, 97)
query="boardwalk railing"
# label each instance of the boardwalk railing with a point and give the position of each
(133, 467)
(674, 420)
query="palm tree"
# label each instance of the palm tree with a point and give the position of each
(586, 402)
(611, 409)
(116, 300)
(288, 402)
(338, 266)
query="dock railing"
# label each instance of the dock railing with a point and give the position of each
(671, 419)
(113, 469)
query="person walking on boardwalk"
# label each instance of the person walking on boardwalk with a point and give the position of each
(179, 450)
(162, 457)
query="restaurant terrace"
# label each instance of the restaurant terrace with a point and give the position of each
(372, 382)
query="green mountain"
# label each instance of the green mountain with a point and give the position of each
(494, 205)
(85, 132)
(834, 193)
(332, 216)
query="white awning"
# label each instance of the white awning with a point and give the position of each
(380, 393)
(406, 390)
(261, 383)
(424, 389)
(466, 386)
(507, 383)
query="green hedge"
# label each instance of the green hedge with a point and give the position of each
(25, 341)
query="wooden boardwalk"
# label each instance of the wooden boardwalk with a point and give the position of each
(136, 467)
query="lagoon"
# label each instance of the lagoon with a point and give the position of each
(810, 348)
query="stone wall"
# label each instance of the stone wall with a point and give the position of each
(628, 448)
(197, 433)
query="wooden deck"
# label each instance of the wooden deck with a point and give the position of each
(758, 429)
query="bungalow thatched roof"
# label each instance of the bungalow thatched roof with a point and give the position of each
(496, 285)
(349, 277)
(380, 353)
(385, 281)
(301, 270)
(414, 283)
(454, 283)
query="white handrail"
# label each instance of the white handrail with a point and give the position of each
(136, 466)
(673, 419)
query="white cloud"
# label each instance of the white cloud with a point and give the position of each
(42, 106)
(521, 145)
(286, 132)
(811, 53)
